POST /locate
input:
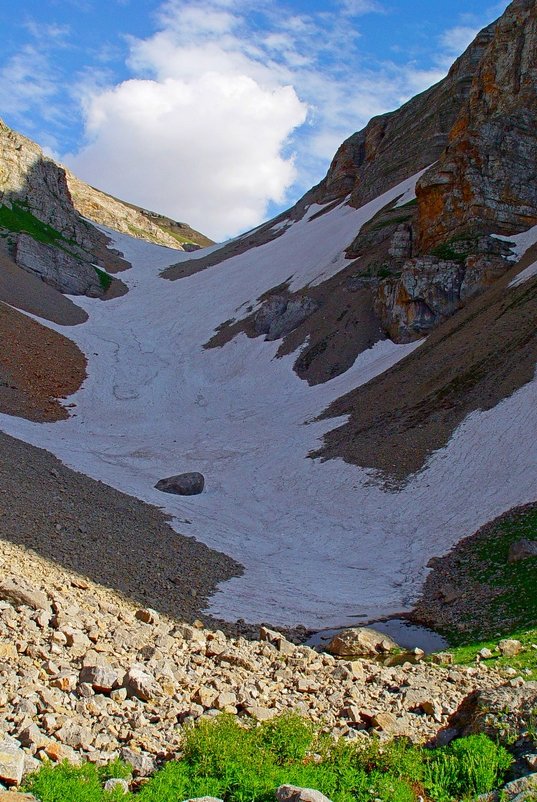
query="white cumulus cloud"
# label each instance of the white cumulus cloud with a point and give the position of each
(200, 134)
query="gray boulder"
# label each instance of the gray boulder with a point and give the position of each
(522, 550)
(295, 313)
(184, 484)
(292, 793)
(269, 312)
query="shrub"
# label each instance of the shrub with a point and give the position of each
(473, 765)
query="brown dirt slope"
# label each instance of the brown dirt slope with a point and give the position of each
(474, 360)
(109, 537)
(37, 367)
(21, 289)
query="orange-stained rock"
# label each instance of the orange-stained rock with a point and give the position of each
(485, 180)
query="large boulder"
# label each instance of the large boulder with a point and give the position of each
(504, 713)
(361, 641)
(183, 484)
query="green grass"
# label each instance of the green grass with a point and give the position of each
(512, 605)
(246, 764)
(104, 278)
(449, 254)
(508, 608)
(523, 662)
(19, 219)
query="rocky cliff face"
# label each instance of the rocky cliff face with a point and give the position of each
(42, 225)
(395, 145)
(485, 180)
(477, 128)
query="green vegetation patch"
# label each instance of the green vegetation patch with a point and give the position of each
(236, 763)
(512, 606)
(104, 278)
(19, 219)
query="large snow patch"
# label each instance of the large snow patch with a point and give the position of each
(322, 543)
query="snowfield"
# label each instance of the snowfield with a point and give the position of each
(323, 544)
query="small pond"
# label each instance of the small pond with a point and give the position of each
(407, 635)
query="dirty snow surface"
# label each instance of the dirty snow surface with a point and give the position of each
(323, 543)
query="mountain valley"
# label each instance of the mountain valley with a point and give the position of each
(355, 380)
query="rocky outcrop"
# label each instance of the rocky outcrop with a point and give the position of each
(37, 183)
(430, 289)
(485, 180)
(505, 714)
(280, 315)
(57, 267)
(395, 145)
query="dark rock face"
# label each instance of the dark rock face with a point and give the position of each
(184, 484)
(501, 713)
(485, 180)
(280, 315)
(57, 267)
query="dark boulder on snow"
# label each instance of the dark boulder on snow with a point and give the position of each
(184, 484)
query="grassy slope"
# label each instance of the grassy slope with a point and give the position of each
(498, 598)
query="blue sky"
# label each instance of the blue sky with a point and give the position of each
(217, 112)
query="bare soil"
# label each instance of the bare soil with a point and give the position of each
(111, 538)
(38, 366)
(27, 292)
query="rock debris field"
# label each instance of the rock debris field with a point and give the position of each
(87, 674)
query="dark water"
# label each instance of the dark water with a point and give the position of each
(407, 635)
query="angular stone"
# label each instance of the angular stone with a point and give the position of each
(11, 763)
(277, 640)
(16, 591)
(141, 684)
(148, 616)
(8, 651)
(183, 484)
(261, 713)
(360, 641)
(142, 764)
(386, 722)
(33, 737)
(75, 736)
(510, 647)
(292, 793)
(102, 677)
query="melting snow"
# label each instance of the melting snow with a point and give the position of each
(321, 542)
